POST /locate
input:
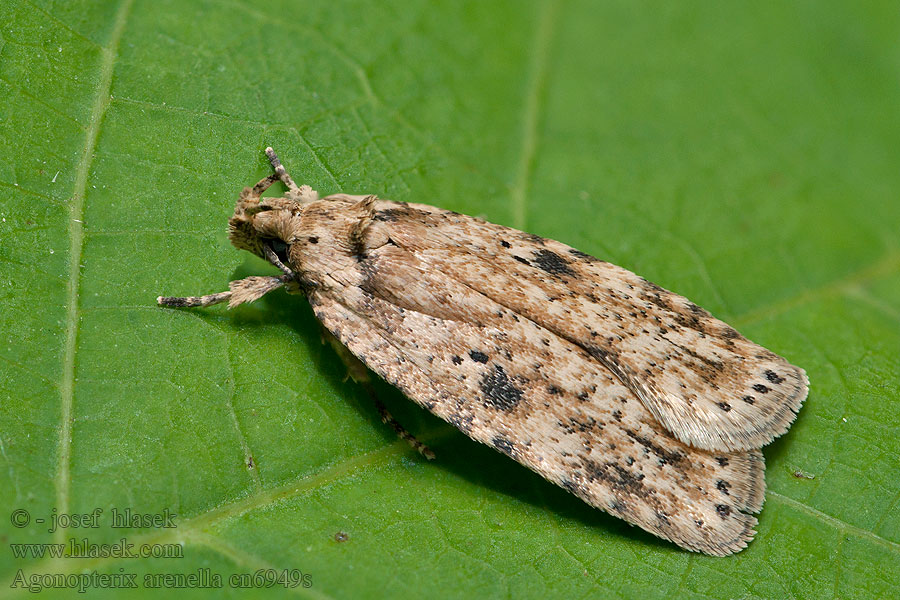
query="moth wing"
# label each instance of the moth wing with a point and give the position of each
(513, 384)
(706, 383)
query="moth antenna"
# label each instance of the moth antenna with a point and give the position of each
(280, 171)
(303, 194)
(262, 186)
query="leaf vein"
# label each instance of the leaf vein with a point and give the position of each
(531, 110)
(838, 524)
(76, 245)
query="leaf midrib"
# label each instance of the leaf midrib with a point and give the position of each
(534, 96)
(76, 245)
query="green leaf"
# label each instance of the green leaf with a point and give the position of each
(742, 155)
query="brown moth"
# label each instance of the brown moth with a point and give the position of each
(629, 396)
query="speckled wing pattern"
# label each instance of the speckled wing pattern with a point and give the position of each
(623, 393)
(707, 384)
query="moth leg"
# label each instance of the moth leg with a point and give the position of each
(388, 419)
(358, 372)
(192, 301)
(273, 258)
(240, 291)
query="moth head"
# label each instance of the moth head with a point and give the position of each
(260, 222)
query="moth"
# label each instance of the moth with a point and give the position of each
(627, 395)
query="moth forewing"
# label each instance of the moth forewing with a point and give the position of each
(559, 413)
(627, 395)
(706, 383)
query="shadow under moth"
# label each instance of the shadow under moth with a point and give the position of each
(627, 395)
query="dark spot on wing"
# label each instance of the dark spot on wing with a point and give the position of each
(552, 262)
(522, 260)
(760, 388)
(748, 399)
(313, 240)
(554, 390)
(773, 377)
(396, 214)
(576, 425)
(582, 255)
(729, 334)
(710, 364)
(725, 406)
(723, 510)
(456, 360)
(464, 424)
(617, 477)
(658, 296)
(691, 321)
(723, 486)
(503, 445)
(505, 244)
(669, 457)
(499, 392)
(477, 356)
(722, 460)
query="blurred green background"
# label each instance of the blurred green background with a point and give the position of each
(743, 154)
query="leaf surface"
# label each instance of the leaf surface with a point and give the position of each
(742, 156)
